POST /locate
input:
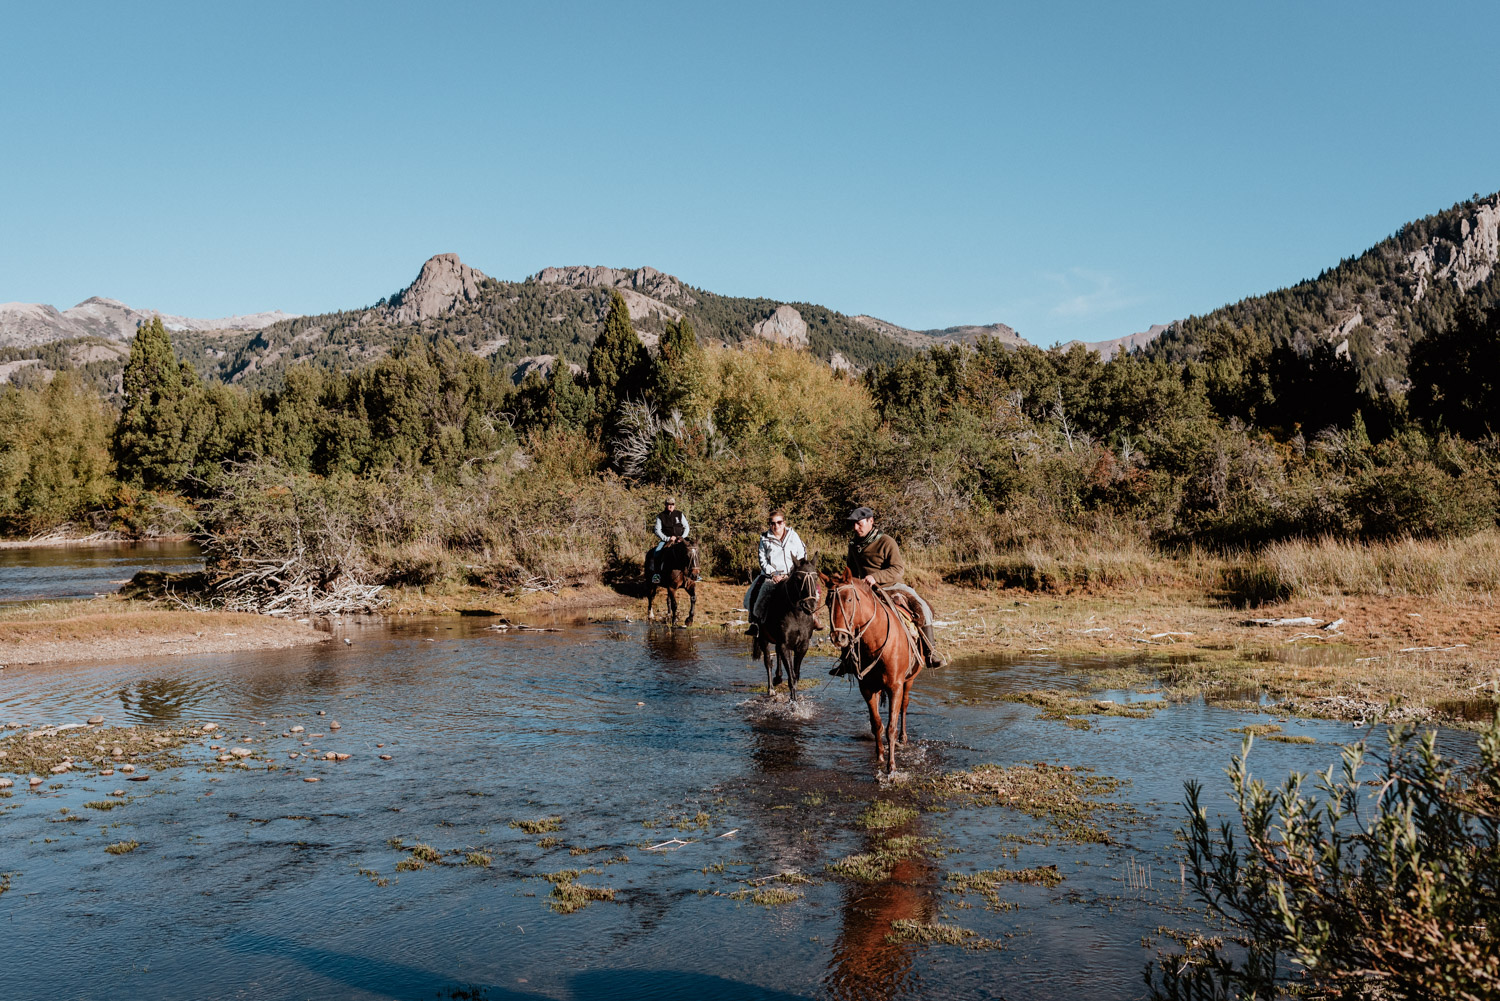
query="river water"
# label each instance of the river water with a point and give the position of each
(255, 884)
(31, 573)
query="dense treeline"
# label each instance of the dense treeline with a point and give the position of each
(435, 464)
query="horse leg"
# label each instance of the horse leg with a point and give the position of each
(778, 661)
(872, 701)
(794, 670)
(897, 696)
(672, 601)
(650, 601)
(765, 653)
(692, 603)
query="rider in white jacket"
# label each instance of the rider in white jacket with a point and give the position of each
(780, 547)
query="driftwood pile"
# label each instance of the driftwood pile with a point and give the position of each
(293, 586)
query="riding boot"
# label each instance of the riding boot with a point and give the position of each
(933, 660)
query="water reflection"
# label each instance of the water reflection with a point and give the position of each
(866, 965)
(161, 700)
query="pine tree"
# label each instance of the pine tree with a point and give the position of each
(680, 373)
(156, 438)
(618, 364)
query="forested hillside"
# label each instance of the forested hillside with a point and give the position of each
(1365, 314)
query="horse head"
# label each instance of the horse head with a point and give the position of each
(844, 594)
(805, 583)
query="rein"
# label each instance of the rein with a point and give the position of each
(808, 591)
(839, 598)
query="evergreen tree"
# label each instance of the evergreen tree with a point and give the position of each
(680, 377)
(1455, 374)
(155, 440)
(619, 364)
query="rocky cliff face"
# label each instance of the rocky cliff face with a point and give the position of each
(1465, 261)
(924, 339)
(647, 281)
(785, 326)
(444, 284)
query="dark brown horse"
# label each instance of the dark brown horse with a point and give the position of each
(674, 563)
(790, 619)
(873, 636)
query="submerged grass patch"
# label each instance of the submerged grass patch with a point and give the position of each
(930, 933)
(884, 814)
(874, 866)
(478, 858)
(104, 804)
(543, 826)
(1064, 707)
(122, 847)
(767, 896)
(987, 882)
(568, 896)
(1256, 729)
(1066, 799)
(1292, 738)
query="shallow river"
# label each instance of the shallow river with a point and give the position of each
(255, 884)
(84, 571)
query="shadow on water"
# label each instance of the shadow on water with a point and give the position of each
(161, 700)
(400, 982)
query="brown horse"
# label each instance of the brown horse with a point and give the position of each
(674, 563)
(871, 634)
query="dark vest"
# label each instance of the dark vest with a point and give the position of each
(672, 523)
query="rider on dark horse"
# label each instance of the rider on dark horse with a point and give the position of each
(671, 527)
(875, 558)
(780, 548)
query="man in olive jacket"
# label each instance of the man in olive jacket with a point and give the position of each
(875, 558)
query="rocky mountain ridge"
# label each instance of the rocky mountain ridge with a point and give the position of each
(26, 324)
(1371, 307)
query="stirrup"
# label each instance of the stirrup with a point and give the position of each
(656, 578)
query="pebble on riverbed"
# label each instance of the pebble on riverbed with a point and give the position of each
(385, 757)
(95, 720)
(35, 781)
(106, 773)
(6, 783)
(335, 725)
(312, 778)
(295, 729)
(209, 727)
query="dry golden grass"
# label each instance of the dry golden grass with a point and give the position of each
(1447, 568)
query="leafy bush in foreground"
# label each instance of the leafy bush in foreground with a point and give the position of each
(1397, 896)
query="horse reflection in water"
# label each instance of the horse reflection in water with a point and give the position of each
(865, 963)
(160, 700)
(788, 796)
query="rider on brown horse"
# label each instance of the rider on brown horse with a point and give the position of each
(671, 527)
(875, 558)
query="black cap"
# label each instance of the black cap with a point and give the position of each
(860, 514)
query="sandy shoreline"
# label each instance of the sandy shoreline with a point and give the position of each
(115, 629)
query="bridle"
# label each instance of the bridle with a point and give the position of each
(807, 591)
(844, 599)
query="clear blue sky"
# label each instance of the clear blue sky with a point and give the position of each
(1074, 170)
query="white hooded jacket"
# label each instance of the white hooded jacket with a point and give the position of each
(778, 555)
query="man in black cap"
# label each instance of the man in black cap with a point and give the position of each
(671, 526)
(875, 558)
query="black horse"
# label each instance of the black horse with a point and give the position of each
(674, 564)
(788, 624)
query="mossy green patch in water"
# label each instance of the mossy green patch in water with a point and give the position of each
(1066, 799)
(1256, 729)
(907, 930)
(568, 896)
(478, 858)
(1292, 738)
(549, 842)
(1064, 707)
(884, 814)
(122, 847)
(104, 804)
(545, 825)
(987, 882)
(874, 866)
(767, 896)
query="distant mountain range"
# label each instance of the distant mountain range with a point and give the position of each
(23, 324)
(1370, 307)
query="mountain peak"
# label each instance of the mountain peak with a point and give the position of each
(441, 286)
